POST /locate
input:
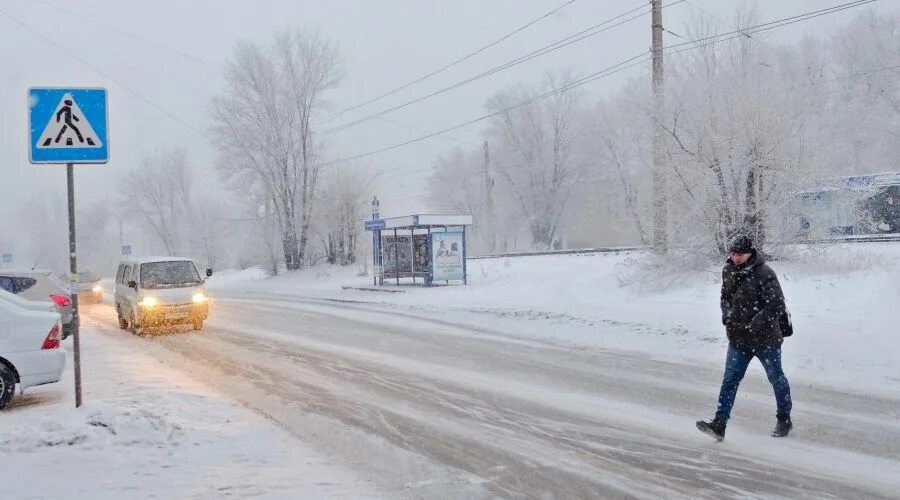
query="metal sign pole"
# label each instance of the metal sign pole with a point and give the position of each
(412, 250)
(374, 244)
(465, 270)
(73, 279)
(397, 256)
(68, 126)
(429, 278)
(374, 259)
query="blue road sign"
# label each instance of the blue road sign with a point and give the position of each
(126, 249)
(374, 225)
(7, 258)
(68, 125)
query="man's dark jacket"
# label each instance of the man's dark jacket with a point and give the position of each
(752, 304)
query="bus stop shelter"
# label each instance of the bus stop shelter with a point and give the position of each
(427, 249)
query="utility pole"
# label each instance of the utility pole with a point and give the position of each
(660, 188)
(489, 236)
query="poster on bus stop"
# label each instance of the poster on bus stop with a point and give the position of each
(447, 256)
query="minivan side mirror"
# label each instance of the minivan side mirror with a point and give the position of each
(208, 272)
(132, 284)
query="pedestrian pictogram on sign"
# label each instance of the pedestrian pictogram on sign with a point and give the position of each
(69, 128)
(68, 125)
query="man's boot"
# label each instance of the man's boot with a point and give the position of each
(714, 428)
(783, 426)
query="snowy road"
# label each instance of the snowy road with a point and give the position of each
(433, 410)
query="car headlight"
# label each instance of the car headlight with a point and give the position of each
(97, 289)
(149, 302)
(200, 298)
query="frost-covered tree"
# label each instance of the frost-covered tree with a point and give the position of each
(158, 196)
(344, 198)
(537, 146)
(731, 122)
(264, 129)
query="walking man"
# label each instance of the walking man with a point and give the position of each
(756, 321)
(66, 114)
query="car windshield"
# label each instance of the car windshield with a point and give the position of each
(86, 277)
(169, 274)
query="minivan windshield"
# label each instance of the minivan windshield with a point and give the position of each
(171, 274)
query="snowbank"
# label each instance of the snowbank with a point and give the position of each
(95, 426)
(234, 277)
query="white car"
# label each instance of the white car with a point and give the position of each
(40, 286)
(30, 352)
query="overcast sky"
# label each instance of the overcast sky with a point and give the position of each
(171, 52)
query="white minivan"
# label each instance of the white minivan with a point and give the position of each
(158, 291)
(30, 352)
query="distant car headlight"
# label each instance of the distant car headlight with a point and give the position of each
(200, 298)
(97, 289)
(149, 302)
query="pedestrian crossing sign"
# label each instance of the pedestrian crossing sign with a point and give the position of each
(68, 125)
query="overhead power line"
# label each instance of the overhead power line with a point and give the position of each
(153, 104)
(708, 13)
(606, 72)
(780, 22)
(626, 64)
(121, 32)
(100, 72)
(188, 56)
(634, 61)
(454, 63)
(559, 44)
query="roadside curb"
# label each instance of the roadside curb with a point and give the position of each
(371, 289)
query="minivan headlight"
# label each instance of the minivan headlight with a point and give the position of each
(149, 302)
(97, 289)
(200, 298)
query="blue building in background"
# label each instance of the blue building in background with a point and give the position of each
(852, 205)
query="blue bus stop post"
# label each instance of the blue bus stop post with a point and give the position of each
(374, 259)
(430, 271)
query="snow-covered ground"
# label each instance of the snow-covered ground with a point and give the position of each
(149, 430)
(555, 376)
(843, 300)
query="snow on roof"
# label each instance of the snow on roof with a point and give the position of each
(869, 180)
(861, 181)
(42, 272)
(145, 260)
(425, 220)
(803, 192)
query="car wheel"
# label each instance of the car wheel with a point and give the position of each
(136, 328)
(123, 323)
(7, 385)
(198, 324)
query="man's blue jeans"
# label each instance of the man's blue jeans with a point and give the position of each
(736, 366)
